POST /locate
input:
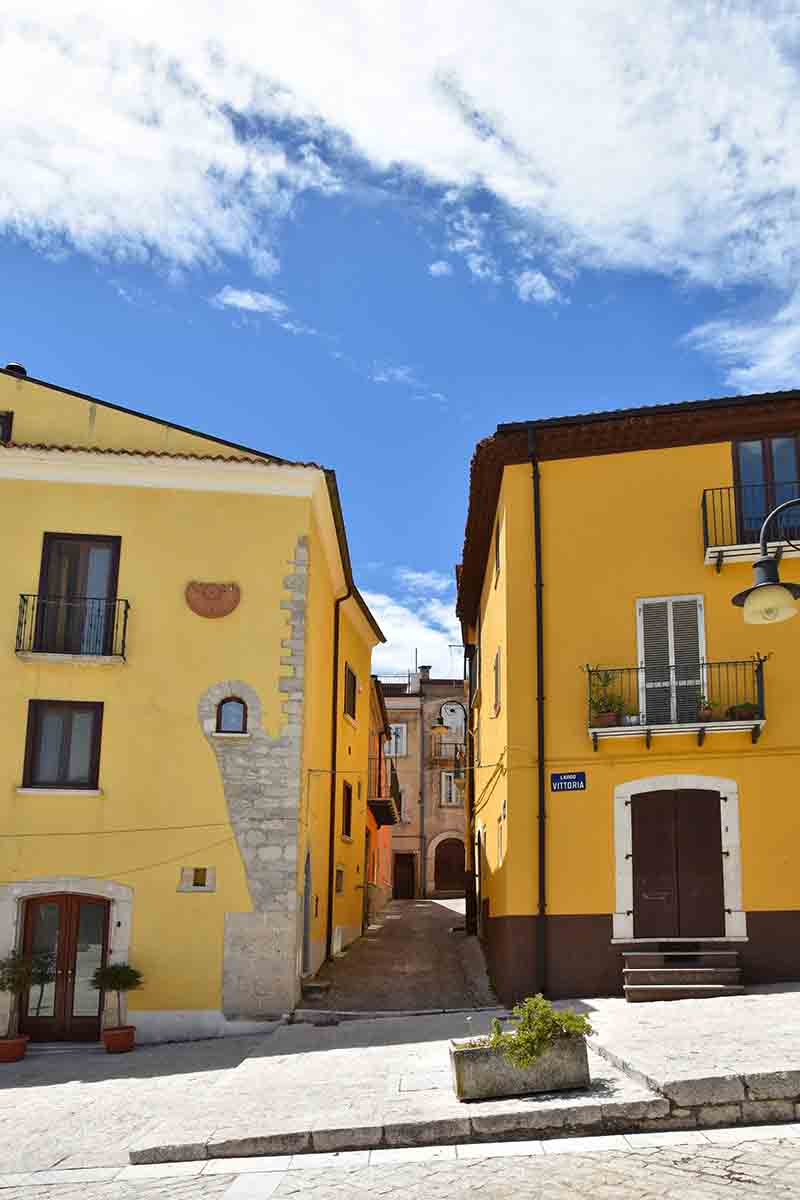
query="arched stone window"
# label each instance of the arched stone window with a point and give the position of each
(232, 715)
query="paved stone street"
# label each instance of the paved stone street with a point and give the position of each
(715, 1165)
(409, 961)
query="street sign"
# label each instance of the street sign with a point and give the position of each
(567, 781)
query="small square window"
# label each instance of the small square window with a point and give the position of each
(198, 879)
(199, 876)
(339, 880)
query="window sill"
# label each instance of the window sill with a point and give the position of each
(55, 791)
(224, 736)
(80, 660)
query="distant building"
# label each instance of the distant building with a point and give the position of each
(383, 808)
(428, 844)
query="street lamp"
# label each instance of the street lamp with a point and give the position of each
(769, 600)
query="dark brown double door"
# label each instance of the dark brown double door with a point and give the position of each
(67, 937)
(677, 865)
(404, 877)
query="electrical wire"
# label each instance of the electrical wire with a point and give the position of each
(110, 832)
(151, 866)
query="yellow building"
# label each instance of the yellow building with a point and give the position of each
(185, 715)
(634, 743)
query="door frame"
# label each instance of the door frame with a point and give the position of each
(12, 919)
(735, 917)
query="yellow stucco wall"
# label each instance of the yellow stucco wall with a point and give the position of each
(615, 529)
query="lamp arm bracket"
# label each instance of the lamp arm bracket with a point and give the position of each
(771, 517)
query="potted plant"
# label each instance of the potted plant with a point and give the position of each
(18, 973)
(747, 711)
(705, 708)
(606, 704)
(118, 977)
(545, 1051)
(632, 714)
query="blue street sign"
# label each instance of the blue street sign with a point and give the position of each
(567, 781)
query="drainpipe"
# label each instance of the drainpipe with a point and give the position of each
(470, 896)
(424, 675)
(541, 835)
(334, 739)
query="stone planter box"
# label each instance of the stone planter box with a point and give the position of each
(481, 1073)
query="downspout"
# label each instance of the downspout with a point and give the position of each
(470, 896)
(423, 866)
(541, 835)
(334, 740)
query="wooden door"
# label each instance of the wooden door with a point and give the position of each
(677, 865)
(68, 938)
(404, 877)
(77, 587)
(449, 866)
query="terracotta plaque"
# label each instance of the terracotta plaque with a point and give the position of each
(212, 599)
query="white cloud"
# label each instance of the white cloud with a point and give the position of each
(259, 302)
(759, 354)
(440, 268)
(394, 375)
(428, 629)
(658, 135)
(533, 285)
(423, 581)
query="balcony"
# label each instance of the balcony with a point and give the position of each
(645, 702)
(732, 518)
(383, 791)
(70, 628)
(449, 755)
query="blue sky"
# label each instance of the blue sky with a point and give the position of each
(365, 235)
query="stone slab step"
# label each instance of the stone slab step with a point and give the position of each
(316, 987)
(708, 958)
(681, 975)
(682, 991)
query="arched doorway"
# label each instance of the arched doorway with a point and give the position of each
(448, 871)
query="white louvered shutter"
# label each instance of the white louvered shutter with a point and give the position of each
(671, 653)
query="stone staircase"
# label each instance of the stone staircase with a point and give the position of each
(680, 971)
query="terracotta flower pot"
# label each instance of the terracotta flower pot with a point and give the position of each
(704, 714)
(603, 719)
(12, 1049)
(119, 1039)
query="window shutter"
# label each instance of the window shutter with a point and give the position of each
(671, 654)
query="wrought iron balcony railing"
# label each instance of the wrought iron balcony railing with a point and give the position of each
(383, 791)
(448, 754)
(72, 625)
(701, 697)
(732, 519)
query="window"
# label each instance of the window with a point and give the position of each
(350, 691)
(339, 880)
(6, 420)
(76, 606)
(497, 681)
(397, 746)
(497, 529)
(671, 658)
(766, 470)
(347, 810)
(63, 744)
(199, 876)
(449, 791)
(198, 879)
(232, 715)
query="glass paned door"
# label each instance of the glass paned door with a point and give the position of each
(767, 474)
(67, 938)
(77, 588)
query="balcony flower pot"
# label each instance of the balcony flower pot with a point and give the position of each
(743, 712)
(118, 977)
(545, 1052)
(705, 714)
(119, 1039)
(602, 720)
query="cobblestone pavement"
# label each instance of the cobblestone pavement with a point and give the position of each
(719, 1165)
(409, 960)
(696, 1039)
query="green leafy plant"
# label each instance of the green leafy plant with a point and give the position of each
(18, 974)
(537, 1026)
(117, 977)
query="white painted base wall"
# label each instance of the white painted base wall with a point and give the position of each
(188, 1025)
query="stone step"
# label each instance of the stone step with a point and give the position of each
(683, 991)
(708, 958)
(316, 987)
(673, 976)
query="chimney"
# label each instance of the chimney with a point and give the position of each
(424, 674)
(16, 369)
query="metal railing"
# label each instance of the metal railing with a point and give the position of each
(382, 779)
(450, 754)
(702, 694)
(732, 516)
(72, 625)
